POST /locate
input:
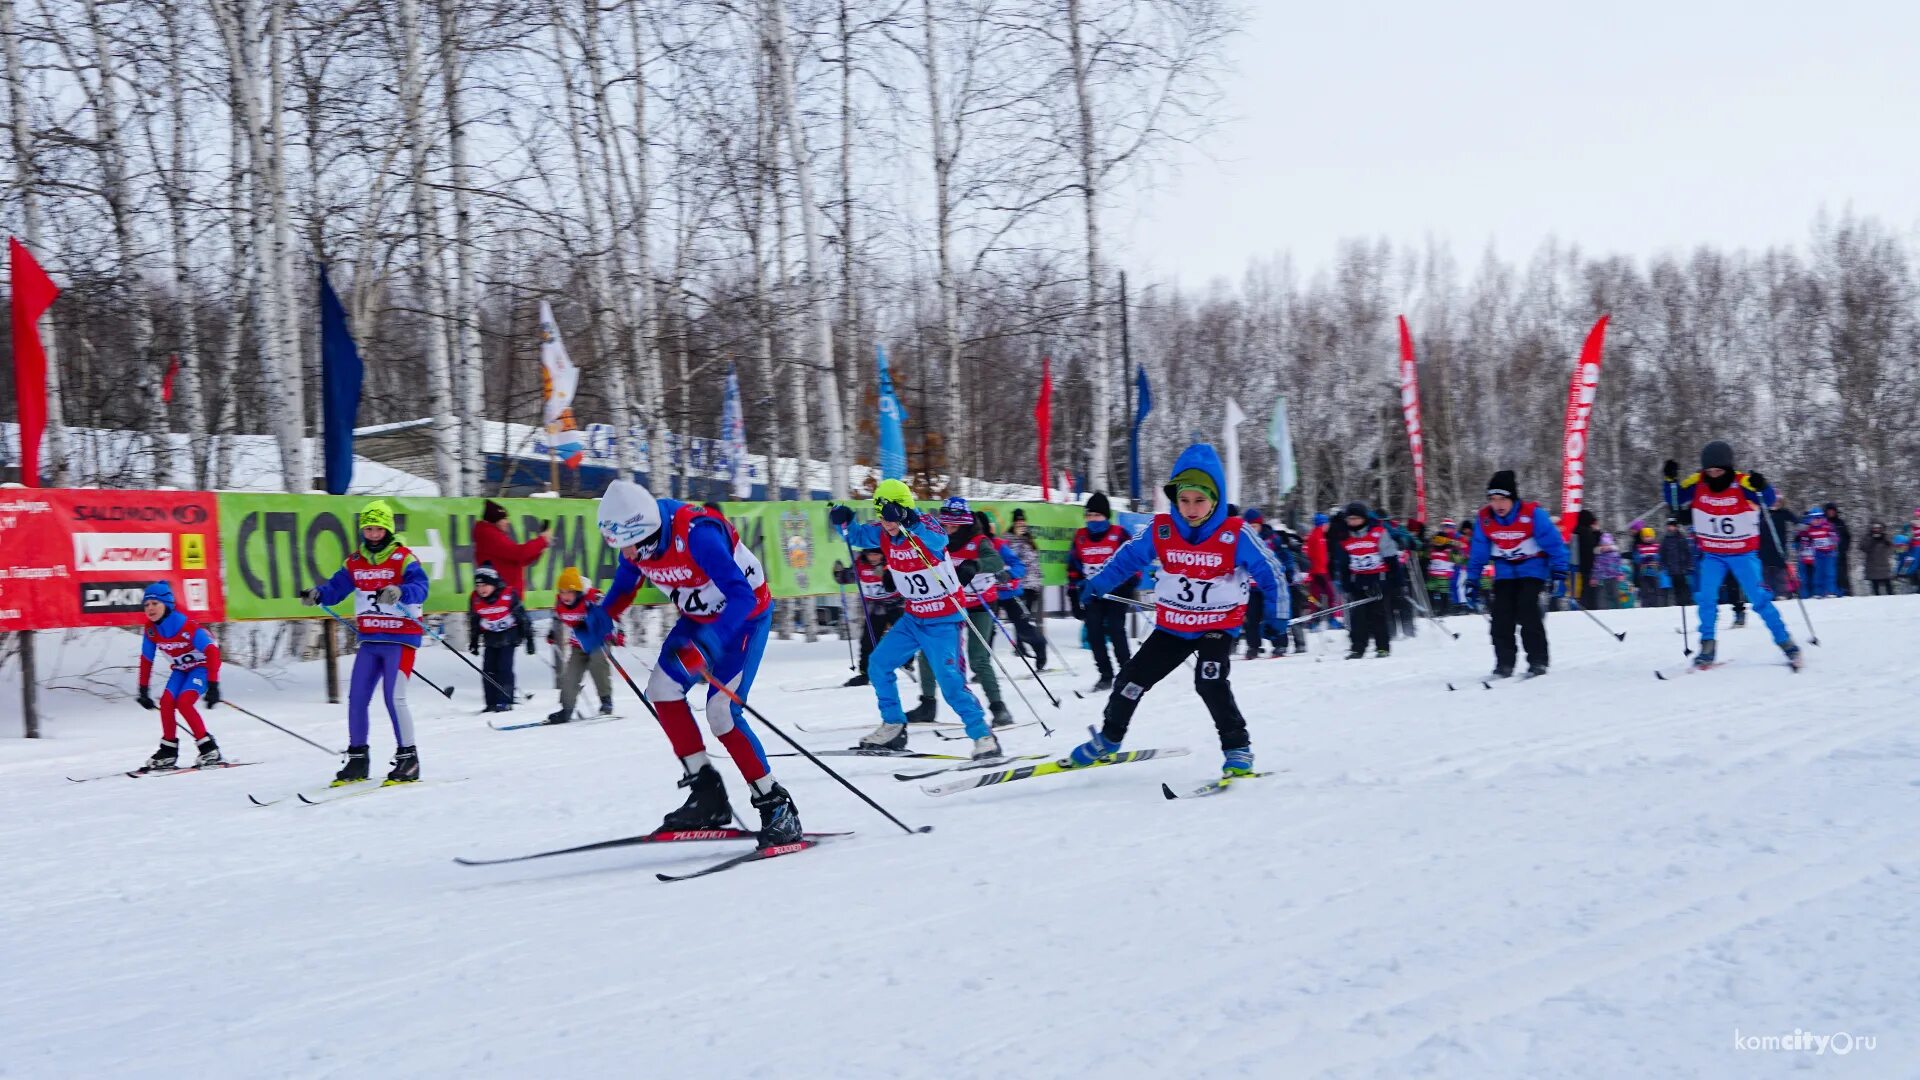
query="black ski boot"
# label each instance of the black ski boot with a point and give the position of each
(1355, 654)
(606, 707)
(355, 769)
(165, 758)
(1709, 652)
(406, 766)
(1503, 671)
(923, 712)
(209, 753)
(706, 806)
(1534, 671)
(560, 716)
(779, 821)
(857, 680)
(1740, 618)
(1001, 717)
(1103, 685)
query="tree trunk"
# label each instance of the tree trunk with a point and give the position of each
(426, 213)
(653, 391)
(27, 178)
(468, 363)
(190, 388)
(1087, 150)
(943, 239)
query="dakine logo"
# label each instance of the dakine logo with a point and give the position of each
(130, 514)
(111, 597)
(189, 514)
(123, 551)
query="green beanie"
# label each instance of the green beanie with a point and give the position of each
(1196, 479)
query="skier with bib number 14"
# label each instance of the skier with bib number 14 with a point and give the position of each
(1727, 506)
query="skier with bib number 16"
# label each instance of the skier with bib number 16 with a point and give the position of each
(1727, 506)
(1207, 554)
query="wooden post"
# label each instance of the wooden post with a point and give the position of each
(29, 694)
(333, 670)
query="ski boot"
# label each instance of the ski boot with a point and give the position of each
(1253, 653)
(560, 716)
(779, 821)
(1502, 671)
(1794, 660)
(406, 767)
(1104, 684)
(1382, 653)
(1709, 652)
(355, 769)
(165, 759)
(987, 748)
(923, 712)
(1091, 751)
(209, 753)
(1356, 654)
(1001, 717)
(606, 707)
(1534, 671)
(706, 806)
(885, 737)
(1238, 762)
(1740, 618)
(857, 680)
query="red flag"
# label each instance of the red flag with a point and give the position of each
(33, 294)
(1580, 395)
(1410, 411)
(1043, 419)
(166, 384)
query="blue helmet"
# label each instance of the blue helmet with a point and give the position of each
(1319, 519)
(160, 591)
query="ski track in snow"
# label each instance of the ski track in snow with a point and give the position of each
(1595, 874)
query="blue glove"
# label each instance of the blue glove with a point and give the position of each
(594, 630)
(1560, 585)
(1087, 595)
(839, 516)
(688, 650)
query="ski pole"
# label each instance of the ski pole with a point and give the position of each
(1581, 608)
(1426, 610)
(445, 691)
(804, 752)
(277, 727)
(927, 557)
(866, 616)
(1766, 514)
(637, 692)
(1686, 643)
(467, 660)
(853, 662)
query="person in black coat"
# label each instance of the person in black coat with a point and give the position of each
(1843, 572)
(1586, 537)
(1676, 558)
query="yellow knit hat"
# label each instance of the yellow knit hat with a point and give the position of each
(571, 581)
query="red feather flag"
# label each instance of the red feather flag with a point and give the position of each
(33, 294)
(1043, 419)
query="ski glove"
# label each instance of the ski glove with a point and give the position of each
(1560, 586)
(388, 595)
(1004, 577)
(310, 598)
(982, 582)
(213, 695)
(145, 699)
(1755, 482)
(688, 650)
(1473, 593)
(473, 645)
(905, 515)
(1087, 595)
(593, 632)
(839, 516)
(1670, 470)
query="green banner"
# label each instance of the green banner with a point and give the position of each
(275, 546)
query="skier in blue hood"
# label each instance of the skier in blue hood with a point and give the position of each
(1207, 555)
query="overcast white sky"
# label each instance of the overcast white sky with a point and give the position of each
(1624, 127)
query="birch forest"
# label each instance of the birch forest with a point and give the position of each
(782, 186)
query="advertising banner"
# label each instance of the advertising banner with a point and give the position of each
(83, 557)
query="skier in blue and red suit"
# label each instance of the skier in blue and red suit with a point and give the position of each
(1727, 506)
(1527, 552)
(195, 662)
(694, 555)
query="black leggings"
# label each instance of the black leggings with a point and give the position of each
(1158, 656)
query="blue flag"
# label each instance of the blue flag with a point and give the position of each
(1144, 393)
(733, 439)
(340, 375)
(893, 439)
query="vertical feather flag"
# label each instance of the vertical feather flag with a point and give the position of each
(1410, 412)
(1230, 437)
(1043, 420)
(733, 438)
(1582, 390)
(1144, 394)
(1280, 437)
(340, 376)
(561, 379)
(33, 294)
(893, 418)
(166, 384)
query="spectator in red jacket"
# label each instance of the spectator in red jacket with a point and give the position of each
(1319, 584)
(492, 543)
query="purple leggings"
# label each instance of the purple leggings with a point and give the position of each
(387, 665)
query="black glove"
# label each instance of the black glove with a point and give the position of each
(1073, 604)
(310, 598)
(213, 695)
(1671, 470)
(905, 515)
(529, 644)
(1756, 482)
(473, 645)
(839, 516)
(145, 699)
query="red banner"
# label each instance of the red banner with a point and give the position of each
(33, 294)
(1580, 396)
(82, 558)
(1410, 411)
(1043, 419)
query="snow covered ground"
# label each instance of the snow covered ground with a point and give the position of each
(1592, 875)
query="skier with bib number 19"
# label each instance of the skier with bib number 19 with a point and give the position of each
(1727, 505)
(1207, 555)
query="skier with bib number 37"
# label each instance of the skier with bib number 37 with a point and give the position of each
(1727, 505)
(693, 554)
(1207, 554)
